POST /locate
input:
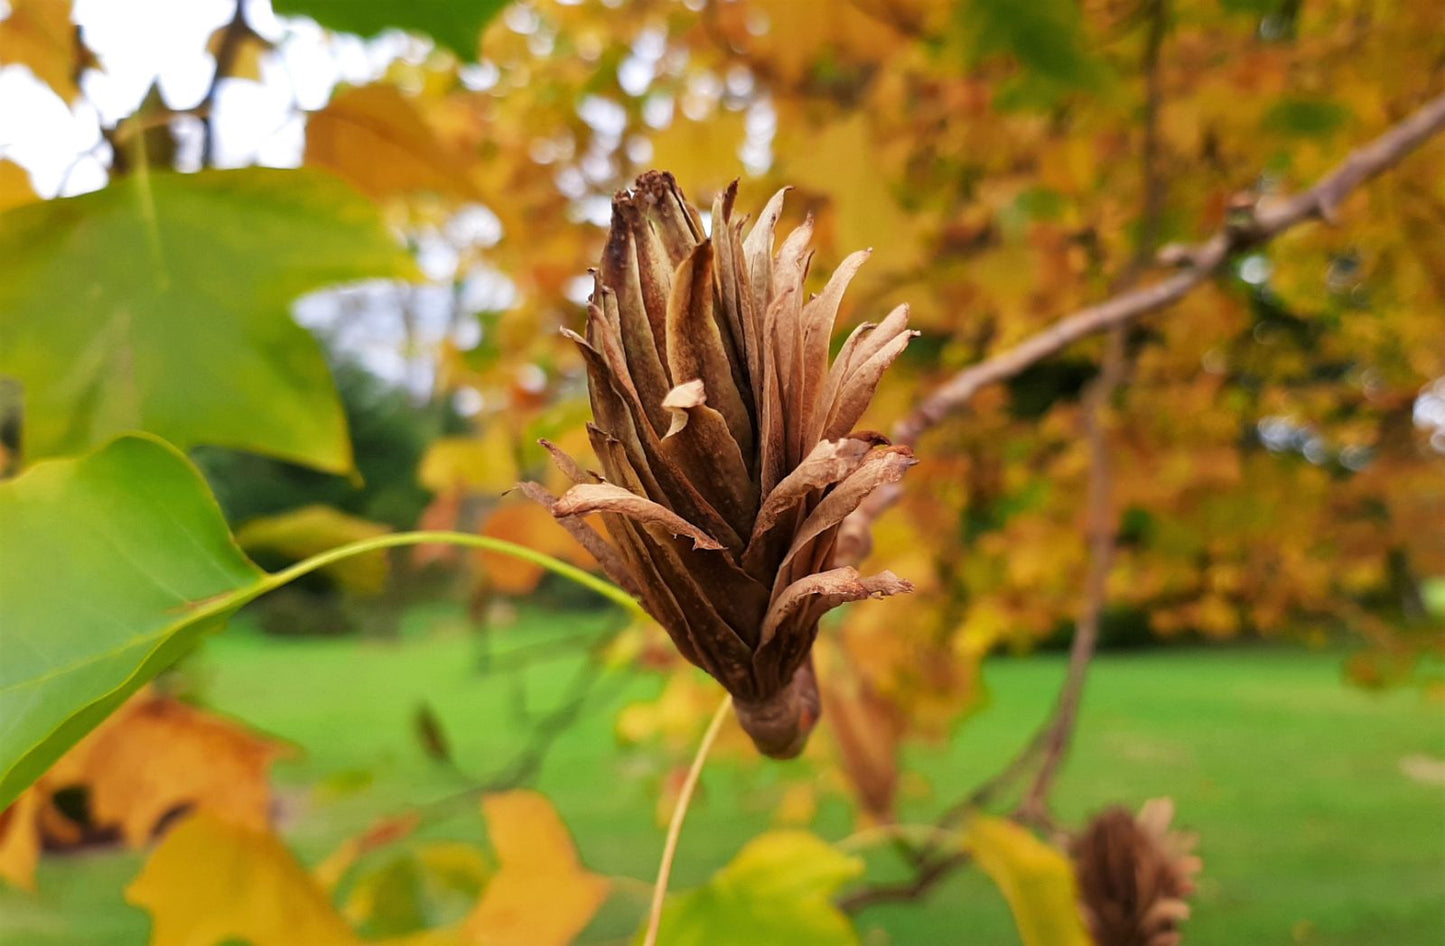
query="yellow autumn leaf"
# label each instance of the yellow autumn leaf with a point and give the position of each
(797, 37)
(15, 188)
(1036, 880)
(703, 155)
(485, 464)
(157, 755)
(41, 35)
(676, 717)
(211, 881)
(374, 137)
(310, 530)
(860, 213)
(428, 884)
(152, 758)
(526, 523)
(541, 895)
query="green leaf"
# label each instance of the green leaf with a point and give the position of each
(778, 889)
(1047, 37)
(1306, 118)
(162, 303)
(111, 567)
(457, 24)
(1036, 880)
(427, 887)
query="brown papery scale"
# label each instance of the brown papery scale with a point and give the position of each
(1134, 876)
(726, 443)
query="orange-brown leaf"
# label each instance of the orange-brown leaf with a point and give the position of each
(541, 896)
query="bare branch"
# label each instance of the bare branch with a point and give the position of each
(929, 873)
(1102, 530)
(1101, 523)
(234, 34)
(1268, 220)
(1199, 263)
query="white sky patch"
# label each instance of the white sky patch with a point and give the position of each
(140, 42)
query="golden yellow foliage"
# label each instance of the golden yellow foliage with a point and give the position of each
(541, 895)
(374, 137)
(157, 756)
(311, 530)
(41, 35)
(526, 523)
(15, 186)
(485, 464)
(150, 760)
(703, 153)
(211, 881)
(1037, 880)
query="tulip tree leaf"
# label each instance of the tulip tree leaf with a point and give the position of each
(162, 303)
(778, 889)
(452, 23)
(111, 567)
(213, 881)
(1036, 880)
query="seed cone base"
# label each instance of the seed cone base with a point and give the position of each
(781, 724)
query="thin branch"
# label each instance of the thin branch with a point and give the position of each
(525, 766)
(233, 35)
(929, 874)
(1198, 264)
(1263, 223)
(1101, 522)
(1101, 525)
(679, 815)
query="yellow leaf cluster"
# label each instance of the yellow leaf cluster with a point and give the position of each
(310, 530)
(541, 895)
(153, 758)
(40, 34)
(377, 138)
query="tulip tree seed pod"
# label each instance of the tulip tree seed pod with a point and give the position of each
(1134, 874)
(727, 444)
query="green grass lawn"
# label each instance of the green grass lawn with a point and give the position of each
(1310, 831)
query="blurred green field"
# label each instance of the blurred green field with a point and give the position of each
(1312, 832)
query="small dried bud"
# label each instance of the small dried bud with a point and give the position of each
(1134, 874)
(726, 443)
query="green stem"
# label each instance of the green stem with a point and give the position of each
(571, 572)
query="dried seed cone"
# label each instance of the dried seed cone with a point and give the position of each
(1134, 874)
(726, 443)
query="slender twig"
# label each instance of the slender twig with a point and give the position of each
(1101, 523)
(234, 34)
(1197, 263)
(486, 543)
(928, 875)
(679, 815)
